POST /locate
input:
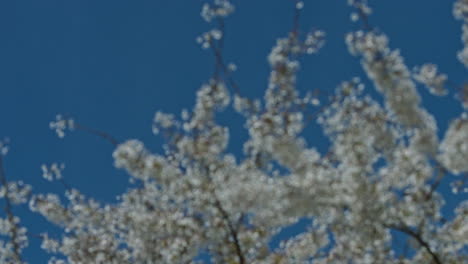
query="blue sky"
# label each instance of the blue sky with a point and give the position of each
(112, 64)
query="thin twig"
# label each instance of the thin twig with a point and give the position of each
(10, 215)
(220, 65)
(365, 20)
(98, 133)
(440, 175)
(296, 17)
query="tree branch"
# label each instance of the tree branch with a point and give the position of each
(10, 215)
(418, 237)
(98, 133)
(441, 172)
(232, 230)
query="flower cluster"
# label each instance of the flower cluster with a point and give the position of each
(433, 80)
(207, 38)
(220, 8)
(61, 124)
(10, 250)
(460, 11)
(16, 192)
(54, 172)
(392, 78)
(454, 147)
(13, 193)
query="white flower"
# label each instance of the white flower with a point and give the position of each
(454, 147)
(4, 147)
(220, 8)
(428, 76)
(460, 11)
(54, 172)
(299, 5)
(61, 124)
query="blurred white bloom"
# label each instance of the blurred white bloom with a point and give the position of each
(314, 41)
(362, 5)
(206, 39)
(463, 54)
(61, 124)
(392, 78)
(53, 172)
(454, 147)
(220, 9)
(300, 4)
(129, 155)
(163, 121)
(184, 114)
(18, 192)
(245, 105)
(48, 244)
(4, 146)
(54, 260)
(354, 17)
(433, 80)
(232, 67)
(460, 11)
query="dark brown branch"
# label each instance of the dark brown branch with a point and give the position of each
(296, 17)
(364, 19)
(232, 230)
(223, 30)
(221, 65)
(65, 184)
(218, 50)
(98, 133)
(441, 172)
(10, 215)
(418, 237)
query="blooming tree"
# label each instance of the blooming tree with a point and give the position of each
(378, 179)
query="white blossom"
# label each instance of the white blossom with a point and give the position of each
(429, 76)
(4, 147)
(300, 4)
(17, 192)
(391, 77)
(207, 38)
(53, 172)
(220, 8)
(460, 11)
(61, 124)
(49, 244)
(454, 147)
(362, 5)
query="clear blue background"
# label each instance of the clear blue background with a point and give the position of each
(112, 64)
